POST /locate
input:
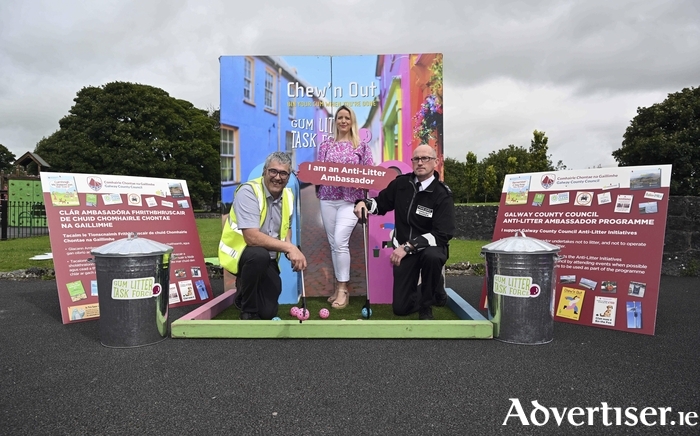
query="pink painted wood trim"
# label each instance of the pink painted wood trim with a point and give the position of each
(209, 310)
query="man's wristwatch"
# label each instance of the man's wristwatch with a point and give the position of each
(407, 249)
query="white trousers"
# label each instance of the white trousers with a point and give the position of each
(339, 221)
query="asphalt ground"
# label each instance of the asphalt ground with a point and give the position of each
(58, 379)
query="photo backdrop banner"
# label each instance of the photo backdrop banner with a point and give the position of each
(287, 103)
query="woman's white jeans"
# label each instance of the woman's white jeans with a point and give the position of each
(339, 221)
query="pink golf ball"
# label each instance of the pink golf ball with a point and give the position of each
(294, 311)
(303, 314)
(324, 313)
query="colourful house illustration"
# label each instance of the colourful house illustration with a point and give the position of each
(262, 101)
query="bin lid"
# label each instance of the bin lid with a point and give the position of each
(520, 244)
(131, 246)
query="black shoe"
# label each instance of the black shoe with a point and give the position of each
(425, 313)
(245, 316)
(440, 299)
(238, 300)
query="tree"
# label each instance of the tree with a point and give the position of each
(139, 130)
(512, 165)
(667, 133)
(538, 160)
(490, 181)
(453, 169)
(215, 116)
(7, 158)
(499, 160)
(471, 175)
(492, 170)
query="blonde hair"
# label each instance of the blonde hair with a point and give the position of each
(354, 133)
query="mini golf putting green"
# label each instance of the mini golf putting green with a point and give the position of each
(380, 312)
(458, 320)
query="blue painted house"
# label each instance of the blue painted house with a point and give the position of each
(265, 107)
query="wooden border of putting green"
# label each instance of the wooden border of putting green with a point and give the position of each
(199, 324)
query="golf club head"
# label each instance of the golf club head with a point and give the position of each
(303, 307)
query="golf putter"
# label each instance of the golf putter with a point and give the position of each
(303, 285)
(364, 236)
(303, 293)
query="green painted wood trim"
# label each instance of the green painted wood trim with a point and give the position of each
(322, 329)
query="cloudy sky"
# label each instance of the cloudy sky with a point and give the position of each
(577, 70)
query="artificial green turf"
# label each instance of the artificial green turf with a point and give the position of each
(351, 312)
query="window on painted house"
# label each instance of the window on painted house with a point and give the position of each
(248, 79)
(288, 147)
(270, 79)
(288, 141)
(229, 153)
(292, 106)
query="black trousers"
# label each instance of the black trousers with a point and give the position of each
(428, 264)
(259, 282)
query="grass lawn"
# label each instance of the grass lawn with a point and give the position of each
(15, 253)
(209, 234)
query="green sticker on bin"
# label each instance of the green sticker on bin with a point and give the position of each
(509, 286)
(132, 289)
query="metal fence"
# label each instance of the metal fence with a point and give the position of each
(22, 219)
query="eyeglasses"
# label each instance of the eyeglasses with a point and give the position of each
(424, 159)
(274, 173)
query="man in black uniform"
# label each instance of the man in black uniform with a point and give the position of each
(425, 222)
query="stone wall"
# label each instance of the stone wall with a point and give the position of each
(475, 222)
(681, 247)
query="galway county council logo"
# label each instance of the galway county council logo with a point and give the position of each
(547, 180)
(95, 183)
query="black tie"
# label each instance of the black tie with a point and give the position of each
(418, 185)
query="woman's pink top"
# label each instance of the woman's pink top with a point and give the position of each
(343, 152)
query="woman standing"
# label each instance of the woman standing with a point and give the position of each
(337, 202)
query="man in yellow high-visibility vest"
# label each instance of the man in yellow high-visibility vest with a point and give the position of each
(255, 233)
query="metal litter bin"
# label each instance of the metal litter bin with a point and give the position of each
(132, 285)
(520, 278)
